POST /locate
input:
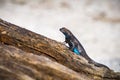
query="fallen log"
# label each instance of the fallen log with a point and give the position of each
(20, 41)
(16, 64)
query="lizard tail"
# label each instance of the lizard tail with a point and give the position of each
(98, 64)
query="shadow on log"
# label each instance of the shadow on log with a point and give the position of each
(25, 55)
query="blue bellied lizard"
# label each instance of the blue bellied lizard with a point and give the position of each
(76, 47)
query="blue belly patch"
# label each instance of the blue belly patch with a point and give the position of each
(75, 50)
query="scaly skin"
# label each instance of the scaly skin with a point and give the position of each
(76, 47)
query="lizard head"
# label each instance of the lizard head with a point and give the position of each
(66, 32)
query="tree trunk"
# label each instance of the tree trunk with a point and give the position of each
(25, 55)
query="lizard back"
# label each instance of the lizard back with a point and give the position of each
(76, 47)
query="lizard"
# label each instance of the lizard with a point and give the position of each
(76, 47)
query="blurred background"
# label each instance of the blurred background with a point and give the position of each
(96, 23)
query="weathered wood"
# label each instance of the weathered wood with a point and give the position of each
(27, 66)
(39, 45)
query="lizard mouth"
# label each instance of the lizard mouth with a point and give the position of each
(63, 29)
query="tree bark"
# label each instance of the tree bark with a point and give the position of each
(25, 55)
